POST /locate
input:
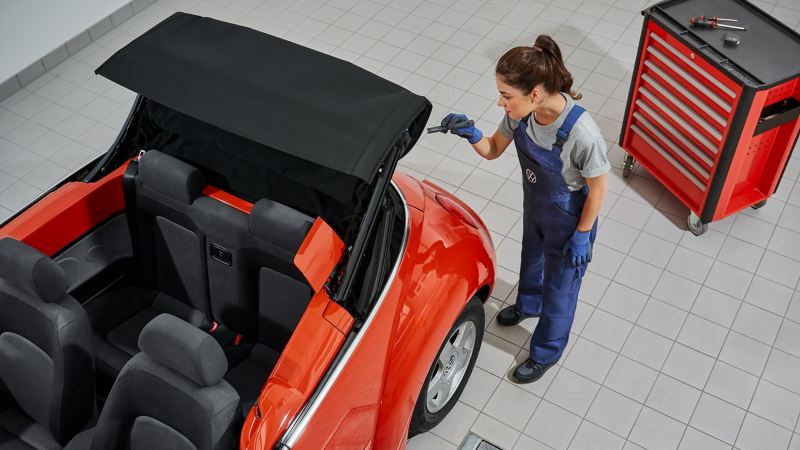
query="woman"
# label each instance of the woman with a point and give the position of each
(564, 169)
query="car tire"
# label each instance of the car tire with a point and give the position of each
(426, 413)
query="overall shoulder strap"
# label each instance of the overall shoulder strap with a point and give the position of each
(563, 132)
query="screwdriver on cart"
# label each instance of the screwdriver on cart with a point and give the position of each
(702, 22)
(718, 19)
(452, 126)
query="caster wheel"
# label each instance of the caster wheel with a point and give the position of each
(759, 204)
(627, 166)
(695, 225)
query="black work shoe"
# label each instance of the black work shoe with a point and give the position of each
(530, 371)
(510, 315)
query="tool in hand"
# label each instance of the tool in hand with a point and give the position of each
(700, 22)
(452, 126)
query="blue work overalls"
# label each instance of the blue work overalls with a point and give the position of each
(549, 283)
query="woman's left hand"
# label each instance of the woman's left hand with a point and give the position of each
(579, 247)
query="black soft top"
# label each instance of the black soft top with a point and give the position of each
(270, 91)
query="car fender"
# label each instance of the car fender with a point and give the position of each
(452, 261)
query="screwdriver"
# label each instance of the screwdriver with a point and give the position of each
(454, 126)
(700, 22)
(718, 19)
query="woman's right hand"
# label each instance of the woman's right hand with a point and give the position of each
(470, 132)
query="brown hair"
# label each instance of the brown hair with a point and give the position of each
(526, 67)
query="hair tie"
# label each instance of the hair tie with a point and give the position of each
(537, 48)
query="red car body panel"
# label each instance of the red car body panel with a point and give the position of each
(67, 213)
(371, 402)
(446, 260)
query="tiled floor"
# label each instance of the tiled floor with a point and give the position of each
(678, 341)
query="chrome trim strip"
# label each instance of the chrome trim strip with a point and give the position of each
(699, 69)
(645, 93)
(668, 157)
(697, 101)
(300, 422)
(687, 160)
(674, 131)
(678, 103)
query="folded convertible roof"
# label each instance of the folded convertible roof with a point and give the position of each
(271, 91)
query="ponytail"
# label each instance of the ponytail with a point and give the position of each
(526, 67)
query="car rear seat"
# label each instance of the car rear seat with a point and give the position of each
(171, 262)
(255, 288)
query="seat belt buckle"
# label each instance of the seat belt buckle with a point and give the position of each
(139, 156)
(214, 326)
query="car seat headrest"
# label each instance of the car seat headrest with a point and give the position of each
(31, 271)
(279, 224)
(171, 176)
(184, 348)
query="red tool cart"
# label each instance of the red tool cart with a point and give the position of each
(713, 121)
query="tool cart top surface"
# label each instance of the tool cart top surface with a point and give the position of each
(769, 52)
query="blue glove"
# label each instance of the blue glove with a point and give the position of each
(470, 133)
(580, 248)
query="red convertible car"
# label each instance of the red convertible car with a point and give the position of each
(244, 268)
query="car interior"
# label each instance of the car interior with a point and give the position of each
(180, 282)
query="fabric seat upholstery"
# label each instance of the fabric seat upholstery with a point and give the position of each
(46, 362)
(258, 292)
(170, 395)
(170, 262)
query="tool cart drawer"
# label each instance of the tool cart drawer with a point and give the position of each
(714, 124)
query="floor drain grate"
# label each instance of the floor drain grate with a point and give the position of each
(475, 442)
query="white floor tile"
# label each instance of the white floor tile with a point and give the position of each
(590, 360)
(638, 275)
(429, 441)
(759, 433)
(553, 425)
(620, 300)
(673, 398)
(572, 392)
(457, 423)
(697, 440)
(703, 335)
(688, 365)
(717, 418)
(654, 430)
(662, 318)
(782, 369)
(731, 384)
(676, 290)
(614, 411)
(789, 338)
(689, 264)
(769, 295)
(716, 306)
(653, 250)
(776, 404)
(757, 323)
(607, 330)
(511, 405)
(495, 431)
(591, 437)
(479, 388)
(728, 279)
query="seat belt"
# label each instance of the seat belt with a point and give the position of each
(129, 195)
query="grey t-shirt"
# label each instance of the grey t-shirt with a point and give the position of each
(584, 151)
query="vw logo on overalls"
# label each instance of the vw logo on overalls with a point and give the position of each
(531, 176)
